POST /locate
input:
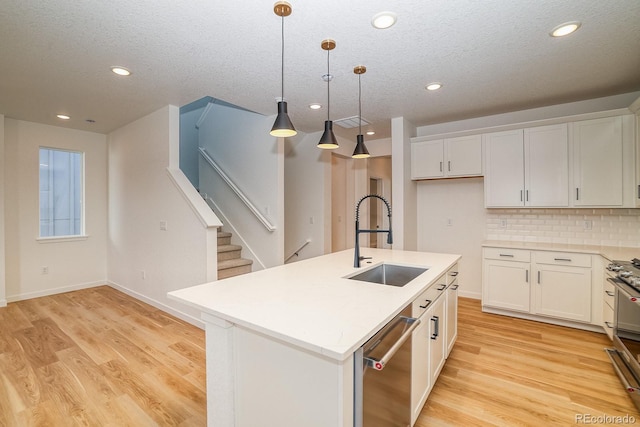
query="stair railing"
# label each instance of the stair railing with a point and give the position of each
(236, 190)
(297, 251)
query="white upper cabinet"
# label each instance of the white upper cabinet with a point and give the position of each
(446, 158)
(546, 155)
(527, 167)
(504, 169)
(598, 172)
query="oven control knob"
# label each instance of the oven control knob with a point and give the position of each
(625, 274)
(614, 267)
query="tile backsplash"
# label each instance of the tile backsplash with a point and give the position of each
(608, 227)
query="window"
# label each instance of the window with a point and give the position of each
(61, 194)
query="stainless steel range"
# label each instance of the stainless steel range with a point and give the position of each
(625, 355)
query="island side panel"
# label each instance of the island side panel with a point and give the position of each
(219, 335)
(278, 384)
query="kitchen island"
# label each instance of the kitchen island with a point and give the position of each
(280, 341)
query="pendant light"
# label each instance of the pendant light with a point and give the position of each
(328, 139)
(361, 151)
(282, 127)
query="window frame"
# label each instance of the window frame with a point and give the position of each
(81, 235)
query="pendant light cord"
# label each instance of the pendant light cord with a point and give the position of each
(328, 83)
(282, 65)
(359, 107)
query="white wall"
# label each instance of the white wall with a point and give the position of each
(404, 190)
(72, 264)
(3, 300)
(307, 185)
(239, 142)
(380, 168)
(460, 203)
(144, 260)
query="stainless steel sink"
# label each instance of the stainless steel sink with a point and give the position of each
(389, 274)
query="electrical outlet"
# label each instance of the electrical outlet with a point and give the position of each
(45, 269)
(449, 222)
(503, 223)
(588, 225)
(143, 274)
(311, 220)
(163, 225)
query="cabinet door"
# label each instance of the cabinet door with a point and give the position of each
(504, 169)
(452, 316)
(505, 284)
(437, 332)
(562, 292)
(546, 154)
(427, 159)
(420, 379)
(463, 156)
(597, 162)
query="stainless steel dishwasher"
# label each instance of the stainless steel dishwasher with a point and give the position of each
(382, 389)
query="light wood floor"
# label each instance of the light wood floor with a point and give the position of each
(97, 357)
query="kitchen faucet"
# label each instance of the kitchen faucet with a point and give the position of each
(357, 257)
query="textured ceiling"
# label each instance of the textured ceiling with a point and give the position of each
(492, 56)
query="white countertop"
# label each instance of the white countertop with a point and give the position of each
(309, 304)
(609, 252)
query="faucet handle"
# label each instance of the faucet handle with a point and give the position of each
(364, 257)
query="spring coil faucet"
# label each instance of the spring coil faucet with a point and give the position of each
(357, 258)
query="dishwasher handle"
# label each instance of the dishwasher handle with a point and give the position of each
(378, 364)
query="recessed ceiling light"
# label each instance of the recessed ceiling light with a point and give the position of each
(565, 29)
(63, 116)
(315, 106)
(384, 20)
(433, 86)
(371, 132)
(121, 71)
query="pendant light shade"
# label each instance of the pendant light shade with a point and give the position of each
(361, 151)
(328, 139)
(282, 127)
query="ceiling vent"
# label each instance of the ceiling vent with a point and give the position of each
(351, 122)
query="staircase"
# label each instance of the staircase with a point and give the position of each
(229, 262)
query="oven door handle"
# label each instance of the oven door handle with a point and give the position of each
(625, 290)
(378, 364)
(622, 370)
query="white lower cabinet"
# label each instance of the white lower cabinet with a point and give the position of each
(552, 284)
(437, 309)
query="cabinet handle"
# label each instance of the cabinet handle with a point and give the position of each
(436, 326)
(611, 294)
(440, 166)
(562, 259)
(527, 195)
(507, 255)
(453, 274)
(577, 193)
(538, 277)
(449, 165)
(428, 303)
(521, 195)
(526, 278)
(454, 287)
(609, 325)
(441, 287)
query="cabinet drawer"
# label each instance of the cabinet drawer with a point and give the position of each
(428, 297)
(609, 295)
(507, 254)
(563, 258)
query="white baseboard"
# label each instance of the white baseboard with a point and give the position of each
(157, 304)
(3, 302)
(467, 294)
(54, 291)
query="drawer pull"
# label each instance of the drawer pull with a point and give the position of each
(427, 303)
(441, 287)
(526, 278)
(562, 259)
(507, 255)
(611, 294)
(454, 287)
(453, 274)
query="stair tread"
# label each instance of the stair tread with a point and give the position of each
(229, 248)
(223, 234)
(231, 263)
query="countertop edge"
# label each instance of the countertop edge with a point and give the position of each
(609, 252)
